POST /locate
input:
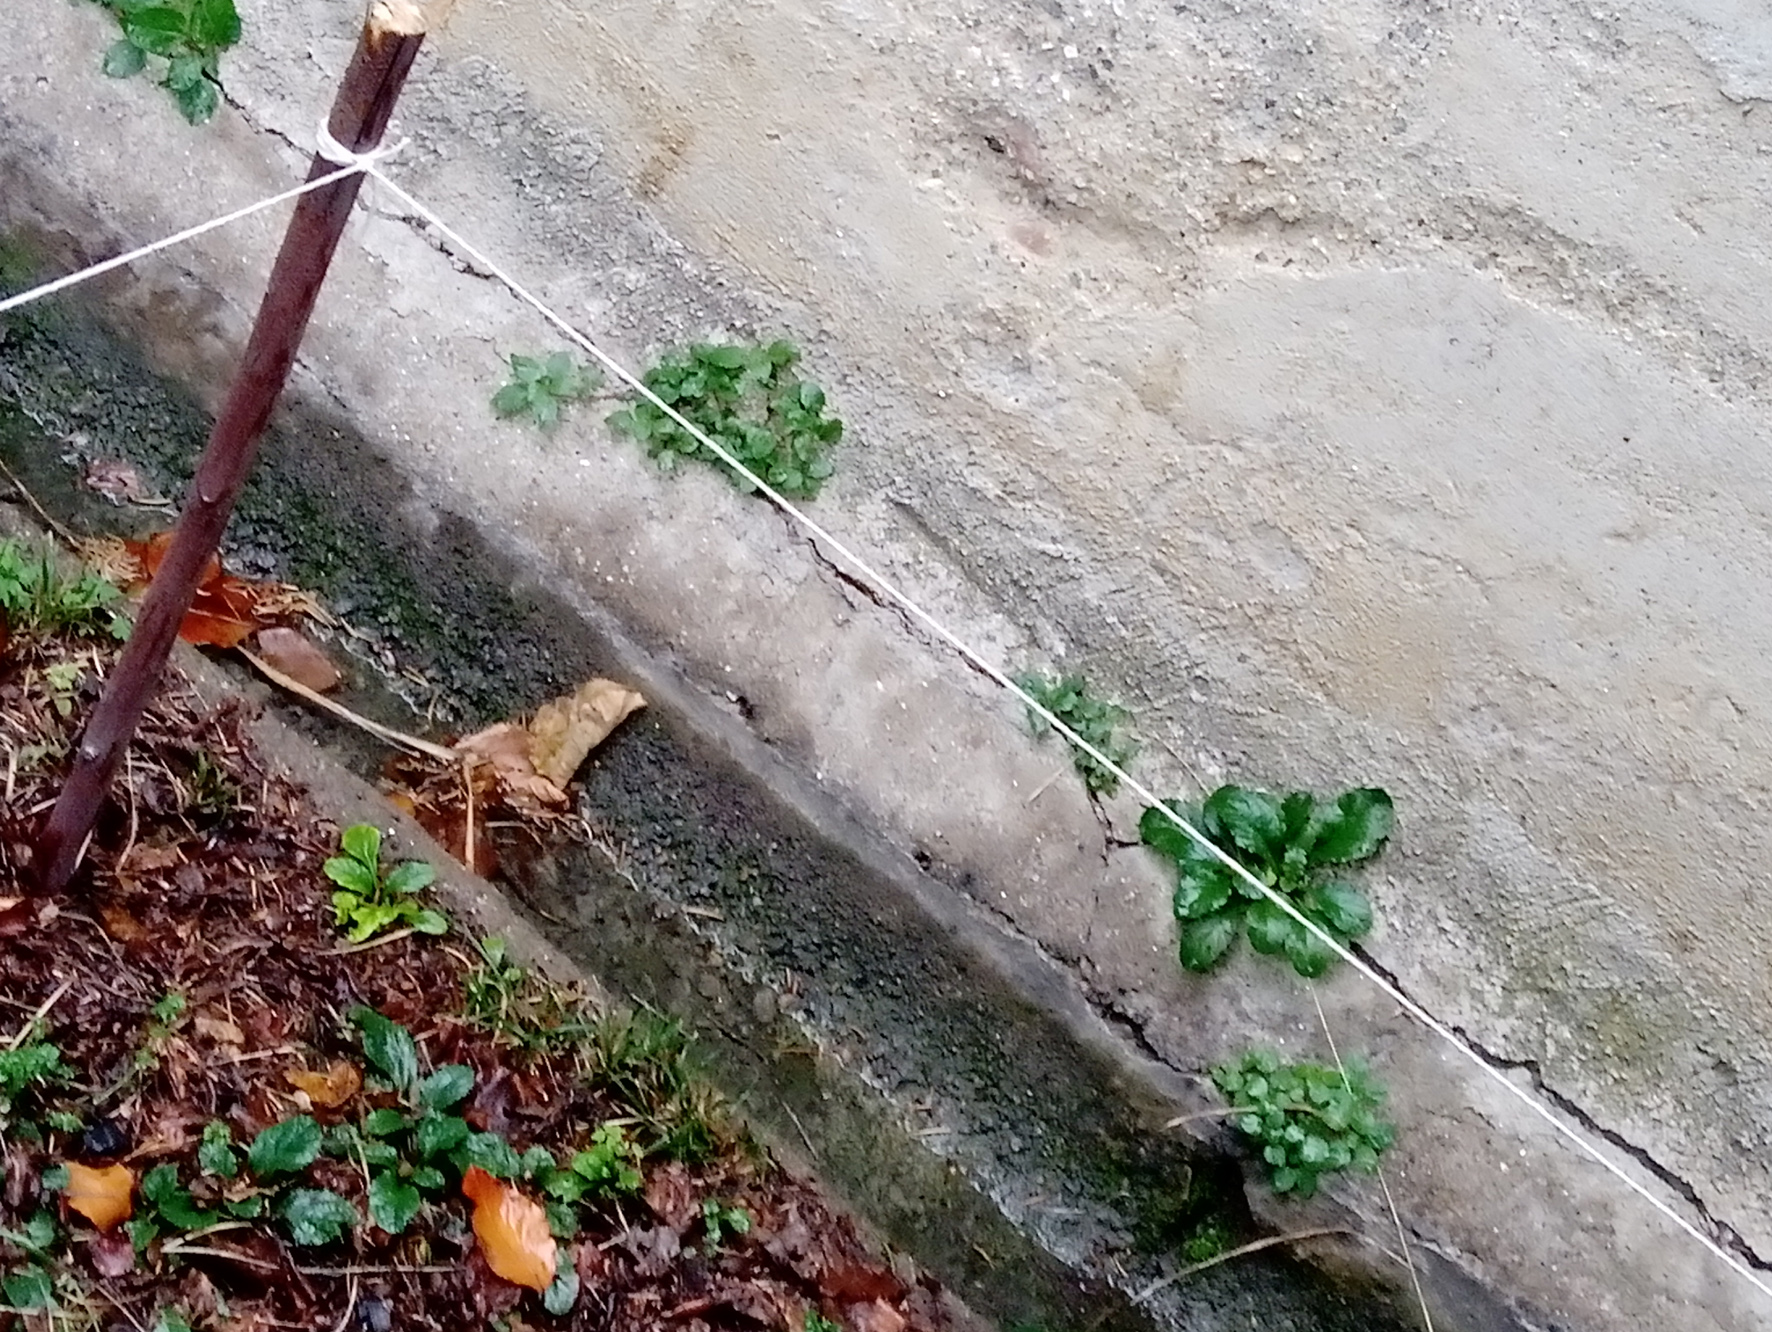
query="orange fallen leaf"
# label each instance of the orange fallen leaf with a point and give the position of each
(120, 924)
(512, 1230)
(218, 631)
(330, 1089)
(298, 657)
(226, 609)
(104, 1195)
(569, 728)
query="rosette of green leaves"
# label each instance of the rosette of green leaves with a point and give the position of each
(1307, 1120)
(750, 400)
(368, 900)
(1292, 845)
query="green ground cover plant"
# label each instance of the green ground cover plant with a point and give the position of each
(181, 42)
(1306, 1120)
(748, 398)
(1293, 844)
(540, 388)
(38, 600)
(1069, 698)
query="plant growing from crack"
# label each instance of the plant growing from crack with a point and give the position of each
(1307, 1120)
(752, 402)
(182, 40)
(1292, 845)
(1097, 721)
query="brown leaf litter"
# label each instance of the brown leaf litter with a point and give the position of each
(204, 881)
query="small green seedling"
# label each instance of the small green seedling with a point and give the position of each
(164, 1019)
(751, 402)
(1095, 720)
(1288, 844)
(720, 1221)
(183, 39)
(1307, 1120)
(368, 900)
(541, 385)
(817, 1322)
(37, 600)
(63, 683)
(28, 1071)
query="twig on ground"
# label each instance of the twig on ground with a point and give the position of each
(41, 512)
(350, 1306)
(393, 937)
(439, 752)
(380, 1269)
(1242, 1250)
(232, 1256)
(20, 1036)
(1046, 785)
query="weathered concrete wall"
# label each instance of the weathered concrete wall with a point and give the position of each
(1368, 393)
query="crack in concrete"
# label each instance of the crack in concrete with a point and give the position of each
(1721, 1231)
(414, 223)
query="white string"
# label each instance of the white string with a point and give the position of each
(179, 238)
(1383, 1183)
(888, 590)
(334, 151)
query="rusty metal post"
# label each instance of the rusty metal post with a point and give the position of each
(392, 34)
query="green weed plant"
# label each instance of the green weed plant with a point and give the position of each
(1294, 845)
(38, 600)
(1068, 697)
(540, 387)
(181, 42)
(367, 899)
(1306, 1120)
(749, 399)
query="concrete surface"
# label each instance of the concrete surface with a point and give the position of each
(1365, 393)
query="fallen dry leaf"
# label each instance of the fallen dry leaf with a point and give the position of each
(297, 656)
(118, 482)
(120, 924)
(853, 1283)
(570, 727)
(104, 1195)
(671, 1195)
(877, 1316)
(15, 915)
(512, 1230)
(330, 1089)
(507, 748)
(113, 1254)
(219, 1030)
(226, 610)
(144, 858)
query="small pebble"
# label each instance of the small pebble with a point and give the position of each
(104, 1137)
